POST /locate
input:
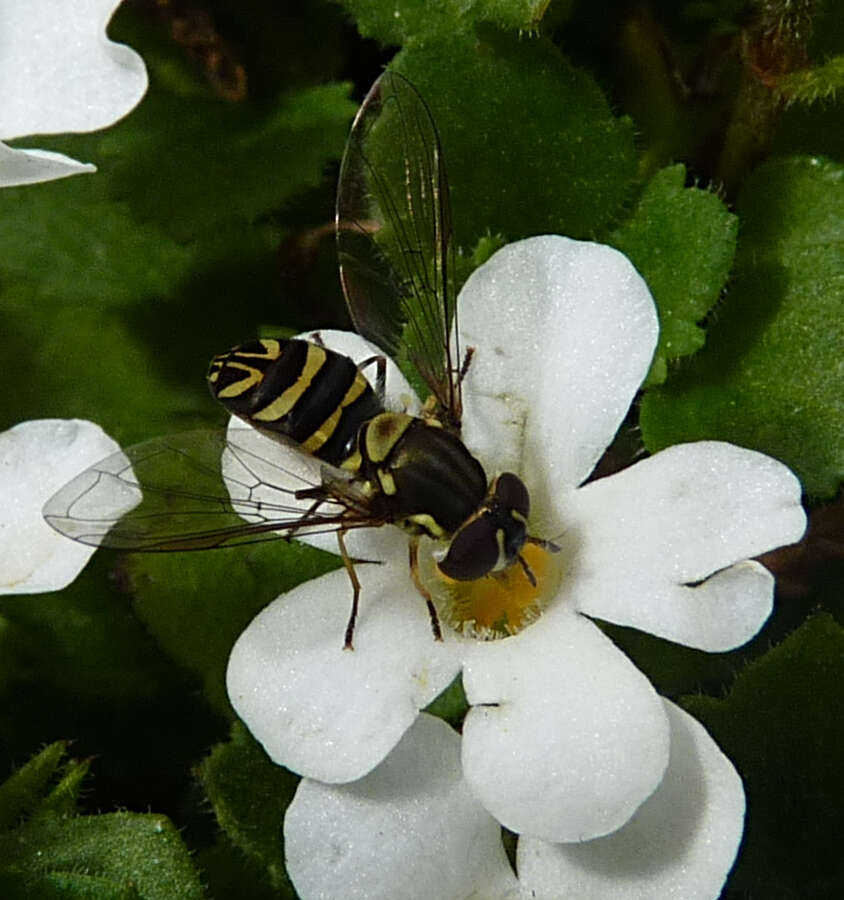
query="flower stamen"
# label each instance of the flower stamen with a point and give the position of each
(501, 603)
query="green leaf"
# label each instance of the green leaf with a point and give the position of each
(16, 884)
(47, 851)
(451, 703)
(811, 85)
(118, 855)
(250, 794)
(70, 263)
(113, 321)
(682, 241)
(62, 799)
(23, 790)
(672, 668)
(188, 164)
(218, 593)
(531, 145)
(484, 249)
(31, 792)
(72, 243)
(780, 725)
(770, 377)
(397, 22)
(90, 365)
(228, 872)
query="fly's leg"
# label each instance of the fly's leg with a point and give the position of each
(379, 360)
(380, 374)
(417, 580)
(456, 376)
(464, 366)
(527, 570)
(550, 546)
(353, 577)
(311, 510)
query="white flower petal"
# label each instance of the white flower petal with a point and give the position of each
(573, 738)
(19, 167)
(720, 614)
(564, 333)
(410, 830)
(681, 843)
(36, 459)
(60, 72)
(282, 469)
(330, 713)
(642, 539)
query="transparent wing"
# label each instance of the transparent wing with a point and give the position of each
(394, 236)
(194, 491)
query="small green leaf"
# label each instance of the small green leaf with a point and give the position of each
(817, 129)
(811, 85)
(62, 799)
(484, 249)
(781, 726)
(23, 790)
(771, 376)
(682, 241)
(399, 21)
(451, 704)
(30, 792)
(250, 794)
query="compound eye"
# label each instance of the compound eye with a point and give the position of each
(510, 491)
(473, 551)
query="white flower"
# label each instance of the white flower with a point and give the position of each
(412, 829)
(59, 73)
(565, 738)
(36, 459)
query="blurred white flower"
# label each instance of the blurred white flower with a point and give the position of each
(565, 739)
(60, 73)
(36, 459)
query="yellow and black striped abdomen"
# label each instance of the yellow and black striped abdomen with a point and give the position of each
(307, 393)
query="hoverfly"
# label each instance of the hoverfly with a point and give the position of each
(375, 466)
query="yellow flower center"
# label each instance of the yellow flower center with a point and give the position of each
(500, 604)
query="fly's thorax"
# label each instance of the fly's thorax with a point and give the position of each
(429, 481)
(296, 390)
